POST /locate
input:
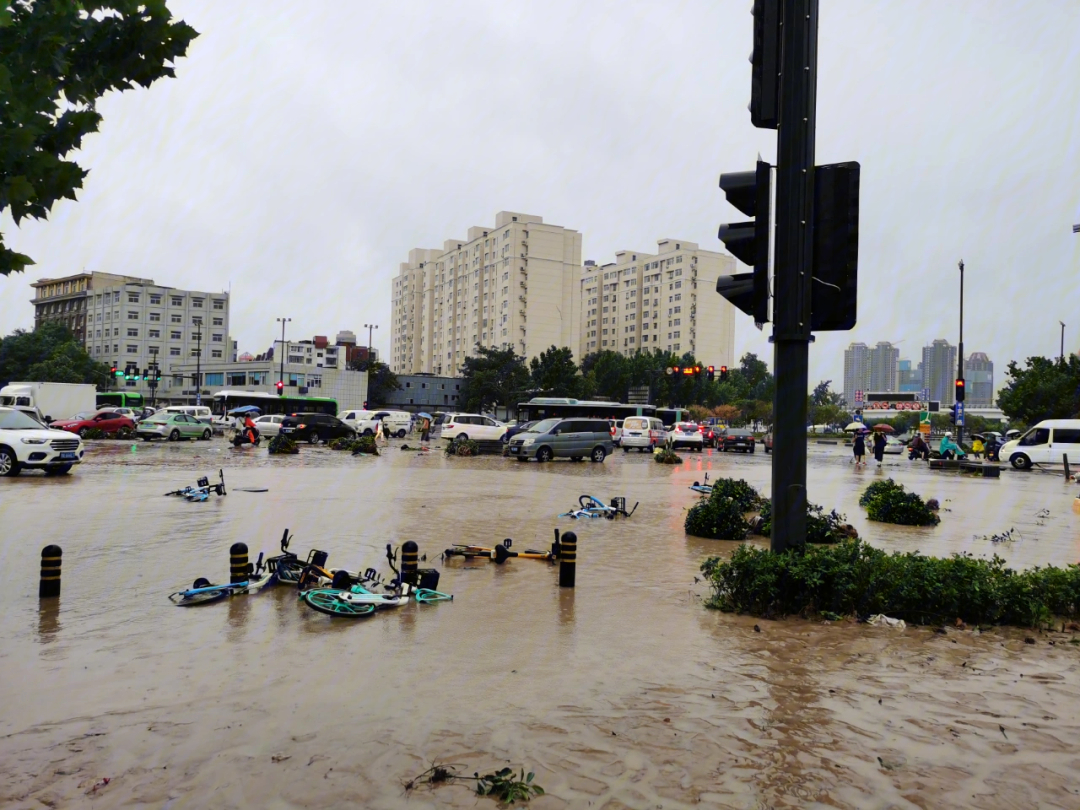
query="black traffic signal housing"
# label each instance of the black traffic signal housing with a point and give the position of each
(960, 390)
(280, 388)
(723, 373)
(711, 373)
(157, 373)
(697, 371)
(952, 413)
(765, 65)
(114, 370)
(834, 294)
(749, 242)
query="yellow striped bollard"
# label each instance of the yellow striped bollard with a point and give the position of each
(50, 572)
(238, 563)
(410, 556)
(567, 560)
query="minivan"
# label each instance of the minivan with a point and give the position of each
(472, 426)
(643, 433)
(1046, 443)
(200, 412)
(564, 438)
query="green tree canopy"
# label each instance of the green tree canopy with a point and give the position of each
(49, 354)
(493, 377)
(1044, 389)
(555, 374)
(57, 58)
(381, 380)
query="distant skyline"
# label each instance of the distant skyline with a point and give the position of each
(303, 149)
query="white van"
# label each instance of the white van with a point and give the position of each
(200, 412)
(365, 422)
(643, 433)
(1046, 443)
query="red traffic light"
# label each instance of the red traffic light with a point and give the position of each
(960, 390)
(711, 369)
(280, 388)
(688, 370)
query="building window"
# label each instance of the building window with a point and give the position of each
(133, 333)
(155, 298)
(314, 381)
(133, 298)
(219, 321)
(258, 377)
(175, 336)
(154, 333)
(218, 339)
(132, 349)
(215, 378)
(216, 353)
(116, 297)
(218, 304)
(194, 353)
(176, 300)
(236, 378)
(133, 316)
(155, 316)
(196, 303)
(172, 318)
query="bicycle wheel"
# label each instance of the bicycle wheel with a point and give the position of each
(289, 571)
(425, 595)
(326, 601)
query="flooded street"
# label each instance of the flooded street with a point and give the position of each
(624, 692)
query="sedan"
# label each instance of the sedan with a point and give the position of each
(688, 434)
(734, 439)
(893, 446)
(315, 428)
(106, 421)
(514, 430)
(269, 425)
(172, 426)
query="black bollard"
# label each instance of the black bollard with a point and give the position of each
(556, 549)
(567, 560)
(50, 572)
(238, 563)
(410, 553)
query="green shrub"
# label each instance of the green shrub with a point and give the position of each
(364, 444)
(891, 503)
(853, 578)
(282, 445)
(339, 443)
(719, 519)
(667, 456)
(94, 433)
(737, 490)
(821, 527)
(462, 447)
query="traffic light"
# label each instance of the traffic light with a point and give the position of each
(711, 371)
(146, 374)
(114, 370)
(157, 374)
(280, 388)
(751, 193)
(952, 413)
(674, 370)
(765, 65)
(834, 294)
(959, 391)
(723, 373)
(697, 371)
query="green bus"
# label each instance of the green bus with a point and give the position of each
(120, 399)
(225, 401)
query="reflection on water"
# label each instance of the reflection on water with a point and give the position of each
(634, 696)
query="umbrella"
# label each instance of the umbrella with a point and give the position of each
(424, 415)
(855, 426)
(245, 409)
(978, 436)
(883, 428)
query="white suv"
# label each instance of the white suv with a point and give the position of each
(24, 443)
(472, 426)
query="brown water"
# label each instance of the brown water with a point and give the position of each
(624, 692)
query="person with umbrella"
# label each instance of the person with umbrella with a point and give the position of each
(977, 445)
(879, 445)
(859, 448)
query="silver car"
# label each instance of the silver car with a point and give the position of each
(172, 426)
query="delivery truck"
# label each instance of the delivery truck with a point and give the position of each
(48, 401)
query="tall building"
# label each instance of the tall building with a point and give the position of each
(910, 378)
(856, 371)
(664, 300)
(979, 381)
(939, 371)
(884, 367)
(514, 285)
(129, 320)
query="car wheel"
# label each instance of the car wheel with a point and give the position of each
(401, 434)
(544, 454)
(369, 432)
(9, 464)
(206, 434)
(83, 432)
(174, 436)
(1021, 462)
(313, 437)
(463, 437)
(598, 454)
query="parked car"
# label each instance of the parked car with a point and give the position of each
(106, 421)
(686, 434)
(172, 426)
(472, 426)
(25, 444)
(130, 413)
(708, 435)
(737, 439)
(894, 446)
(200, 412)
(314, 428)
(514, 430)
(766, 442)
(1046, 443)
(616, 430)
(269, 425)
(564, 438)
(642, 433)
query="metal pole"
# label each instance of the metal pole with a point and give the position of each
(1062, 340)
(960, 359)
(794, 252)
(198, 361)
(281, 373)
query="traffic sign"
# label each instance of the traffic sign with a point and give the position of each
(959, 414)
(858, 396)
(926, 393)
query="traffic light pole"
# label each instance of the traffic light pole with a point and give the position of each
(793, 271)
(960, 350)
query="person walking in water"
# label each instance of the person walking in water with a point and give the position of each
(879, 447)
(977, 446)
(860, 450)
(425, 429)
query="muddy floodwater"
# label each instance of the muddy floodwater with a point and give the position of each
(624, 692)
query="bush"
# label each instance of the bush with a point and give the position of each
(282, 445)
(718, 519)
(364, 445)
(94, 433)
(737, 490)
(889, 502)
(462, 447)
(853, 578)
(339, 443)
(667, 456)
(821, 527)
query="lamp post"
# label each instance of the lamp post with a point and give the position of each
(198, 361)
(1062, 340)
(370, 327)
(960, 359)
(281, 374)
(153, 378)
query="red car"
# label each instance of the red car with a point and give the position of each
(107, 421)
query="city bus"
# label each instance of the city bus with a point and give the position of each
(669, 416)
(120, 399)
(225, 401)
(548, 407)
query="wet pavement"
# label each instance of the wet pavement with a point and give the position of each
(624, 692)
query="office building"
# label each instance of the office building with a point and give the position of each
(979, 381)
(939, 371)
(131, 321)
(514, 285)
(884, 367)
(425, 392)
(665, 300)
(303, 378)
(856, 372)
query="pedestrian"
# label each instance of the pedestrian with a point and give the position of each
(977, 446)
(425, 429)
(949, 448)
(919, 448)
(860, 450)
(992, 448)
(879, 446)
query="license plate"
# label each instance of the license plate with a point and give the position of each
(515, 450)
(68, 456)
(287, 430)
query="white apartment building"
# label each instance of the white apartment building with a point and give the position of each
(665, 300)
(884, 367)
(515, 285)
(856, 371)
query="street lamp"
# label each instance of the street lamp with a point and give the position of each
(1062, 340)
(369, 327)
(153, 377)
(960, 359)
(198, 361)
(281, 374)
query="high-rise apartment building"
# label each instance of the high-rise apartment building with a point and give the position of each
(514, 285)
(129, 320)
(884, 367)
(939, 371)
(665, 300)
(910, 378)
(979, 381)
(856, 371)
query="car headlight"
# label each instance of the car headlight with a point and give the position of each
(528, 440)
(33, 441)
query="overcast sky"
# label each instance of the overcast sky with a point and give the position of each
(304, 148)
